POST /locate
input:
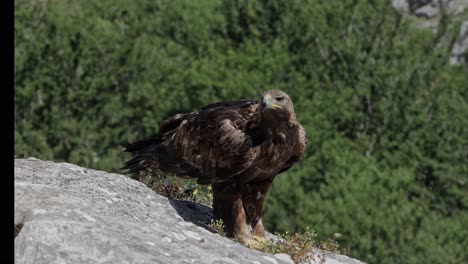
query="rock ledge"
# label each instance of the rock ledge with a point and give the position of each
(69, 214)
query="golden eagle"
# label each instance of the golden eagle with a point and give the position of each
(238, 147)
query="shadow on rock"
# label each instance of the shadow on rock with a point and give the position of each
(198, 214)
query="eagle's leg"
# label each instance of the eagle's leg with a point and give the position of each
(227, 206)
(253, 196)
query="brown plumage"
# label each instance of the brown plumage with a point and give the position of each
(238, 147)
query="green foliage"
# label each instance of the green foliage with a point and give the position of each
(299, 246)
(217, 226)
(386, 116)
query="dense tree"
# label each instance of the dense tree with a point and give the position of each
(385, 113)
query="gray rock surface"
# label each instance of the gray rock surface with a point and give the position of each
(430, 11)
(72, 214)
(430, 14)
(461, 46)
(430, 8)
(401, 6)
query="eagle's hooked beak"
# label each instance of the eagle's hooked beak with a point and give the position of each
(268, 102)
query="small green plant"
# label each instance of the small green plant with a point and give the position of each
(299, 245)
(218, 226)
(332, 245)
(176, 188)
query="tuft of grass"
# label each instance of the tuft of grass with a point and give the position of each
(176, 188)
(218, 226)
(332, 245)
(300, 246)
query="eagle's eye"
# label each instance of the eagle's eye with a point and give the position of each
(279, 99)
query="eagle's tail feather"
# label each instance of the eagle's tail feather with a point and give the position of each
(145, 155)
(140, 145)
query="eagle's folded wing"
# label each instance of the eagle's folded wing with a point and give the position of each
(213, 145)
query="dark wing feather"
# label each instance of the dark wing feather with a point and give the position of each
(240, 103)
(143, 154)
(148, 153)
(213, 144)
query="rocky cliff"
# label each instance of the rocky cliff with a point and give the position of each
(430, 13)
(69, 214)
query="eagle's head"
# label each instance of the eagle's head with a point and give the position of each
(277, 104)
